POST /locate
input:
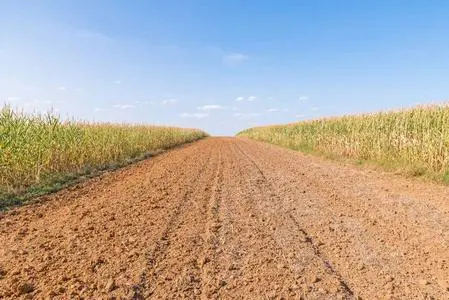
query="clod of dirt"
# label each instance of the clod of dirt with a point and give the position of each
(2, 272)
(315, 279)
(423, 282)
(204, 260)
(222, 283)
(110, 285)
(26, 288)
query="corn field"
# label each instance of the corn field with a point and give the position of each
(37, 149)
(415, 140)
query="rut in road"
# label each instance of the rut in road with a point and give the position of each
(230, 218)
(296, 226)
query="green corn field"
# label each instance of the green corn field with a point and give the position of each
(415, 140)
(37, 149)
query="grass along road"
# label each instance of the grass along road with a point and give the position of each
(231, 218)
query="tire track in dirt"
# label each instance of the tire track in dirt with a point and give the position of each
(268, 187)
(249, 261)
(211, 241)
(178, 268)
(145, 287)
(323, 279)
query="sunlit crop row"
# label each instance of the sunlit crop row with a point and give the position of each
(415, 139)
(36, 149)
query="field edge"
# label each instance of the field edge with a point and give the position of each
(396, 168)
(32, 194)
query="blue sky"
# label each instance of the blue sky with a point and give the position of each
(222, 65)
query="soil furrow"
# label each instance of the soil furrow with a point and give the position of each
(283, 229)
(208, 259)
(313, 244)
(148, 282)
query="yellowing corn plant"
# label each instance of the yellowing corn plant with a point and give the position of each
(415, 140)
(40, 149)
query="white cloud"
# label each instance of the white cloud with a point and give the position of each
(247, 116)
(210, 107)
(234, 59)
(273, 110)
(117, 81)
(250, 98)
(123, 106)
(62, 88)
(168, 101)
(314, 108)
(300, 116)
(195, 115)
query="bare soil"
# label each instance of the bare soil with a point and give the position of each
(231, 218)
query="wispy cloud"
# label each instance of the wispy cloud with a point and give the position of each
(273, 110)
(117, 81)
(210, 107)
(234, 59)
(300, 116)
(168, 101)
(246, 116)
(195, 115)
(62, 88)
(250, 98)
(315, 108)
(123, 106)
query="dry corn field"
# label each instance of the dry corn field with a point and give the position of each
(415, 141)
(227, 218)
(40, 149)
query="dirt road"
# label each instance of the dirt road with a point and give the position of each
(231, 218)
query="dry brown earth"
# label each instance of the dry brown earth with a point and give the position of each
(231, 218)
